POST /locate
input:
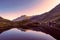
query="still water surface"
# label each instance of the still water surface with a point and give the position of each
(16, 34)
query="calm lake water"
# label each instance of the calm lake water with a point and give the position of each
(16, 34)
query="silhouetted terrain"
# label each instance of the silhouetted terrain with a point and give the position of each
(48, 22)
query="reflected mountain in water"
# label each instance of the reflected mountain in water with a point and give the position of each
(16, 34)
(48, 23)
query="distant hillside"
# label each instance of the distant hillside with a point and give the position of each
(4, 20)
(23, 17)
(5, 24)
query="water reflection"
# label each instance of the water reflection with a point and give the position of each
(16, 34)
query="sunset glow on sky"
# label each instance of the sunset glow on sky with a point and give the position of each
(10, 9)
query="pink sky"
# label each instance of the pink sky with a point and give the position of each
(37, 9)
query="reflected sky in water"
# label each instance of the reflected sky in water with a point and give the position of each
(16, 34)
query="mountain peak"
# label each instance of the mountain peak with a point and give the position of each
(23, 17)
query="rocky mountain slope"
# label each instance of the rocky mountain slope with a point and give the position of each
(50, 16)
